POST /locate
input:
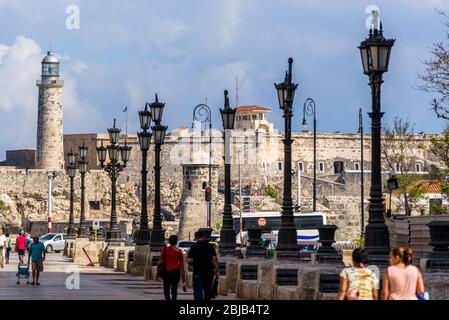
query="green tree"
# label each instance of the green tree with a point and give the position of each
(440, 146)
(435, 77)
(399, 149)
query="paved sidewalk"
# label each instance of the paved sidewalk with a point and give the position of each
(96, 283)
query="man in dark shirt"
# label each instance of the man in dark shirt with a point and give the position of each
(203, 258)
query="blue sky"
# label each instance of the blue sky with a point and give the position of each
(125, 51)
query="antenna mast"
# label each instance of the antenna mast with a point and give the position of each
(237, 90)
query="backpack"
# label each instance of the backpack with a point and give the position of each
(161, 268)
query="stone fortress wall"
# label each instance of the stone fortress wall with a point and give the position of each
(24, 192)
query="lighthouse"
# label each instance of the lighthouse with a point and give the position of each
(50, 149)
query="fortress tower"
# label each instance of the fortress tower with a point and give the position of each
(49, 151)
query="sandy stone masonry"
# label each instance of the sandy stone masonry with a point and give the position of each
(49, 154)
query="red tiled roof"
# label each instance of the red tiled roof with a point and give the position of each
(431, 186)
(252, 108)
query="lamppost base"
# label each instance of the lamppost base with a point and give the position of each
(227, 242)
(143, 237)
(157, 241)
(114, 236)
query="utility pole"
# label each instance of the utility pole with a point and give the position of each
(298, 192)
(50, 176)
(240, 201)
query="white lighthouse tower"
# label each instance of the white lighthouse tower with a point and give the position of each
(50, 149)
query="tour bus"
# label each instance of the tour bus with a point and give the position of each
(306, 225)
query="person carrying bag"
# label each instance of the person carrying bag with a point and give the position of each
(171, 268)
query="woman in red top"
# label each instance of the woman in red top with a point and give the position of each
(173, 260)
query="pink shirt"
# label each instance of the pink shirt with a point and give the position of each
(403, 282)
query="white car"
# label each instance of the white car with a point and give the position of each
(184, 246)
(53, 242)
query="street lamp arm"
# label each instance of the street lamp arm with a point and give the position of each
(309, 108)
(202, 113)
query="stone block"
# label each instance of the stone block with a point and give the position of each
(85, 250)
(266, 280)
(140, 259)
(437, 285)
(247, 289)
(222, 286)
(150, 270)
(122, 259)
(285, 293)
(231, 276)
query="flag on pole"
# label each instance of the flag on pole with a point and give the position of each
(126, 120)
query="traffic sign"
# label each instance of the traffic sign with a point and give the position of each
(262, 222)
(96, 224)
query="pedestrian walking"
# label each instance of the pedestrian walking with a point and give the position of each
(37, 256)
(3, 246)
(402, 280)
(21, 246)
(171, 268)
(8, 248)
(203, 257)
(358, 282)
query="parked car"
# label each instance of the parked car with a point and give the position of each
(184, 246)
(53, 242)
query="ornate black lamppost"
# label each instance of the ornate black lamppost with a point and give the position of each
(83, 169)
(144, 233)
(203, 114)
(375, 52)
(227, 232)
(157, 241)
(309, 110)
(71, 170)
(113, 168)
(287, 247)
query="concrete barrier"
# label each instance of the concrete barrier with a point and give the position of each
(150, 270)
(247, 280)
(130, 265)
(122, 259)
(141, 253)
(285, 282)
